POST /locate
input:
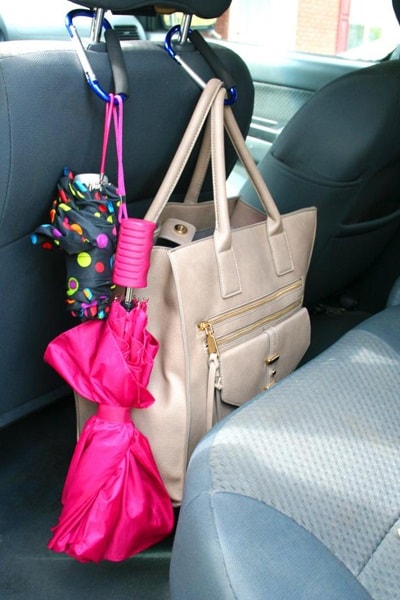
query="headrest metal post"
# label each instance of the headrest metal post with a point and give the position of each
(97, 25)
(185, 28)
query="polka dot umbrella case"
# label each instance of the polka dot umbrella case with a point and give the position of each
(83, 225)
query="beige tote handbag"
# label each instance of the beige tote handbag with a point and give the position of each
(225, 303)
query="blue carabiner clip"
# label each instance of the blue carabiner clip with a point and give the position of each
(80, 50)
(232, 92)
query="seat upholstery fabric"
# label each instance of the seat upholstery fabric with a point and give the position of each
(340, 153)
(296, 495)
(50, 119)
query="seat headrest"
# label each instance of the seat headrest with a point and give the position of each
(206, 9)
(396, 8)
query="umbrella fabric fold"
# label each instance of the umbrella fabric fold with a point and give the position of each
(114, 501)
(108, 361)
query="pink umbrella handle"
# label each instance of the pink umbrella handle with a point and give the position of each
(135, 237)
(132, 259)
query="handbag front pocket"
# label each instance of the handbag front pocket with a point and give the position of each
(249, 352)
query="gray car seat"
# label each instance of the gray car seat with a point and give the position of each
(296, 495)
(340, 152)
(51, 119)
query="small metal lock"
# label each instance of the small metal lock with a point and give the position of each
(181, 229)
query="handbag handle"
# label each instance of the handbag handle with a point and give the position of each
(275, 220)
(211, 103)
(184, 150)
(245, 156)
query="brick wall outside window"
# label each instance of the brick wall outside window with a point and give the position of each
(312, 28)
(317, 26)
(360, 29)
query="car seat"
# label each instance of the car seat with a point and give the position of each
(340, 152)
(295, 495)
(51, 119)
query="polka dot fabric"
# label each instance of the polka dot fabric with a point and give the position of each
(83, 225)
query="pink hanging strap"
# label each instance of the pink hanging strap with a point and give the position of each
(114, 111)
(118, 127)
(107, 125)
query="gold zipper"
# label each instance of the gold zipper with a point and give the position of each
(208, 329)
(256, 304)
(208, 326)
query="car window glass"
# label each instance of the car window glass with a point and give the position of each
(356, 29)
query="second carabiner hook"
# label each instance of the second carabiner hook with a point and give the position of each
(209, 56)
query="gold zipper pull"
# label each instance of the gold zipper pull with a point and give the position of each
(212, 345)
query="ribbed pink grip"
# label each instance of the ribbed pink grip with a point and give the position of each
(132, 259)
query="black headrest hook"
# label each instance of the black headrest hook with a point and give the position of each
(208, 54)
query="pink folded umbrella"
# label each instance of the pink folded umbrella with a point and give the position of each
(114, 501)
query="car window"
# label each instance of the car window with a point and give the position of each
(42, 19)
(354, 29)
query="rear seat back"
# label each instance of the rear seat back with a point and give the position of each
(50, 119)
